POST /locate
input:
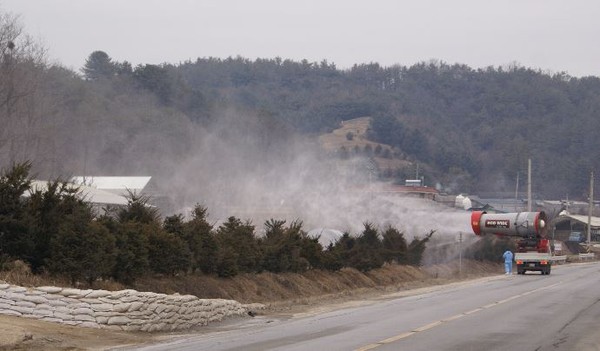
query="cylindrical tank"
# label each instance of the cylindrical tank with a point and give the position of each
(521, 224)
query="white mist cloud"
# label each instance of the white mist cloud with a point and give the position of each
(236, 168)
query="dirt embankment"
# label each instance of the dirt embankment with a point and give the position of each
(282, 293)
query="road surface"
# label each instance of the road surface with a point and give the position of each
(560, 311)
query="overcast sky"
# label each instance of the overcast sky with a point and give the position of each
(553, 35)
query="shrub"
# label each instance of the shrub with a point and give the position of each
(394, 246)
(238, 242)
(201, 241)
(367, 253)
(132, 251)
(168, 253)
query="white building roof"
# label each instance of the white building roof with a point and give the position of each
(595, 221)
(92, 195)
(113, 183)
(326, 236)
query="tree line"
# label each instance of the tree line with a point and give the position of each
(461, 125)
(55, 230)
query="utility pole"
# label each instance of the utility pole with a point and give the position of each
(529, 185)
(590, 212)
(371, 167)
(370, 192)
(517, 192)
(460, 240)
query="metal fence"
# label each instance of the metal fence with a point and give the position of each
(586, 256)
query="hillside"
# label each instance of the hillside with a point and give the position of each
(469, 130)
(352, 138)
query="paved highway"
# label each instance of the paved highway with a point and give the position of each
(531, 312)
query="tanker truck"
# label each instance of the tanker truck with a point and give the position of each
(533, 249)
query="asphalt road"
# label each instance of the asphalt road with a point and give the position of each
(531, 312)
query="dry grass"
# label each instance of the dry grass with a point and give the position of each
(358, 127)
(288, 288)
(271, 288)
(19, 273)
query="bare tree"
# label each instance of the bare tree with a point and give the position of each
(22, 64)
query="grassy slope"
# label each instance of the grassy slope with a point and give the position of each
(270, 287)
(358, 127)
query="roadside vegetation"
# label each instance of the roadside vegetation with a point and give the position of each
(57, 232)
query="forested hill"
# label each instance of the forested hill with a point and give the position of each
(472, 130)
(469, 129)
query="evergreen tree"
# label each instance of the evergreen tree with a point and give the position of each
(46, 210)
(416, 249)
(168, 253)
(157, 80)
(343, 247)
(82, 250)
(15, 239)
(239, 243)
(132, 251)
(139, 210)
(99, 65)
(272, 245)
(368, 252)
(332, 260)
(198, 234)
(394, 246)
(174, 224)
(288, 249)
